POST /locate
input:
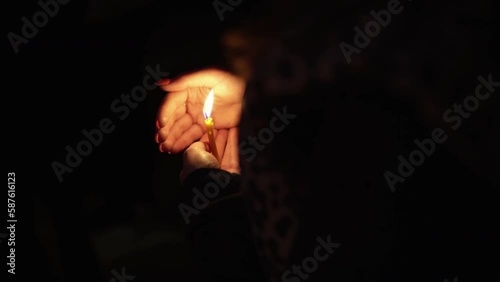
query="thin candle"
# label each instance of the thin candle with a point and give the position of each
(209, 123)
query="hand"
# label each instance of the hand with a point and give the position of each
(199, 155)
(180, 120)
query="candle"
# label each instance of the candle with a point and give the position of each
(209, 123)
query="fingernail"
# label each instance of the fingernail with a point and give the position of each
(164, 81)
(169, 153)
(160, 147)
(157, 138)
(157, 124)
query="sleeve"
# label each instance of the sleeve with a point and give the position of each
(218, 228)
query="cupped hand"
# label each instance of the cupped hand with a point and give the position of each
(198, 155)
(180, 120)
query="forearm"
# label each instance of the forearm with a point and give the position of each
(218, 227)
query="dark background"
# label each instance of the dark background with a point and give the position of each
(118, 208)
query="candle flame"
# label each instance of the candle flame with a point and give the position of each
(209, 103)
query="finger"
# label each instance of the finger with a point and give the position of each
(220, 141)
(172, 108)
(202, 78)
(189, 136)
(181, 125)
(204, 138)
(164, 132)
(230, 160)
(192, 154)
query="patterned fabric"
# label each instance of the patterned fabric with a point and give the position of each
(364, 114)
(280, 116)
(318, 133)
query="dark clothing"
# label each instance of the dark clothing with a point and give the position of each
(335, 182)
(222, 241)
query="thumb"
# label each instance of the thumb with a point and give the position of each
(203, 78)
(199, 146)
(197, 154)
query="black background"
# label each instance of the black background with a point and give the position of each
(63, 81)
(125, 192)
